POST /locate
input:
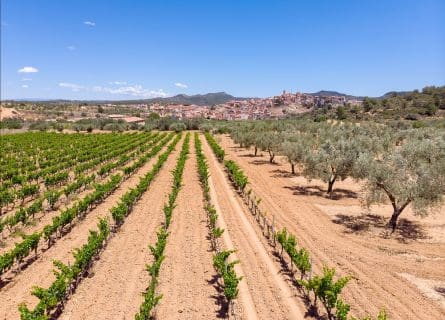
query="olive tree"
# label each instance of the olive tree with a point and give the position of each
(270, 141)
(252, 141)
(413, 173)
(295, 148)
(177, 126)
(246, 139)
(334, 159)
(206, 127)
(247, 135)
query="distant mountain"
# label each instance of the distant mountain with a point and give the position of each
(326, 93)
(198, 99)
(395, 93)
(207, 99)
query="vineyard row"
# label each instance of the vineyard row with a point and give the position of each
(324, 287)
(51, 300)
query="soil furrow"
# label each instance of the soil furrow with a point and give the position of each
(40, 272)
(187, 272)
(119, 277)
(271, 295)
(44, 217)
(377, 285)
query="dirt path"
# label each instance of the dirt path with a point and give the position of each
(40, 272)
(246, 307)
(187, 271)
(371, 261)
(272, 297)
(120, 276)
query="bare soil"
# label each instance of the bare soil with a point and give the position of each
(18, 287)
(187, 274)
(119, 277)
(402, 273)
(272, 297)
(44, 217)
(353, 242)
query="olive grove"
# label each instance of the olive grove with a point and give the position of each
(402, 166)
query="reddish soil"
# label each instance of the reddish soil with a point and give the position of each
(402, 273)
(355, 244)
(40, 272)
(272, 297)
(44, 217)
(119, 277)
(187, 273)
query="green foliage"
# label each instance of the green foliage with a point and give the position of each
(52, 196)
(296, 148)
(269, 141)
(226, 269)
(342, 310)
(300, 257)
(57, 292)
(383, 155)
(217, 232)
(177, 127)
(123, 208)
(409, 105)
(177, 180)
(327, 290)
(335, 155)
(6, 197)
(115, 127)
(341, 113)
(11, 123)
(219, 152)
(412, 173)
(56, 179)
(151, 299)
(27, 190)
(236, 174)
(155, 122)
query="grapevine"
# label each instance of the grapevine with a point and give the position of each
(151, 298)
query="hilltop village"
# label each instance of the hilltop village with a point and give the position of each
(252, 109)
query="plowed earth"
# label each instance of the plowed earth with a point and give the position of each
(402, 273)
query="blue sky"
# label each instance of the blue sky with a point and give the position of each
(128, 49)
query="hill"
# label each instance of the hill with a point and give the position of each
(9, 113)
(327, 93)
(198, 99)
(207, 99)
(409, 105)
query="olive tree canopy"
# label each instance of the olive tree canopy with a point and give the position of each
(270, 141)
(413, 173)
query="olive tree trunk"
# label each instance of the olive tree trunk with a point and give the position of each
(271, 156)
(395, 215)
(397, 210)
(331, 184)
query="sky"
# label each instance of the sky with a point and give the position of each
(132, 49)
